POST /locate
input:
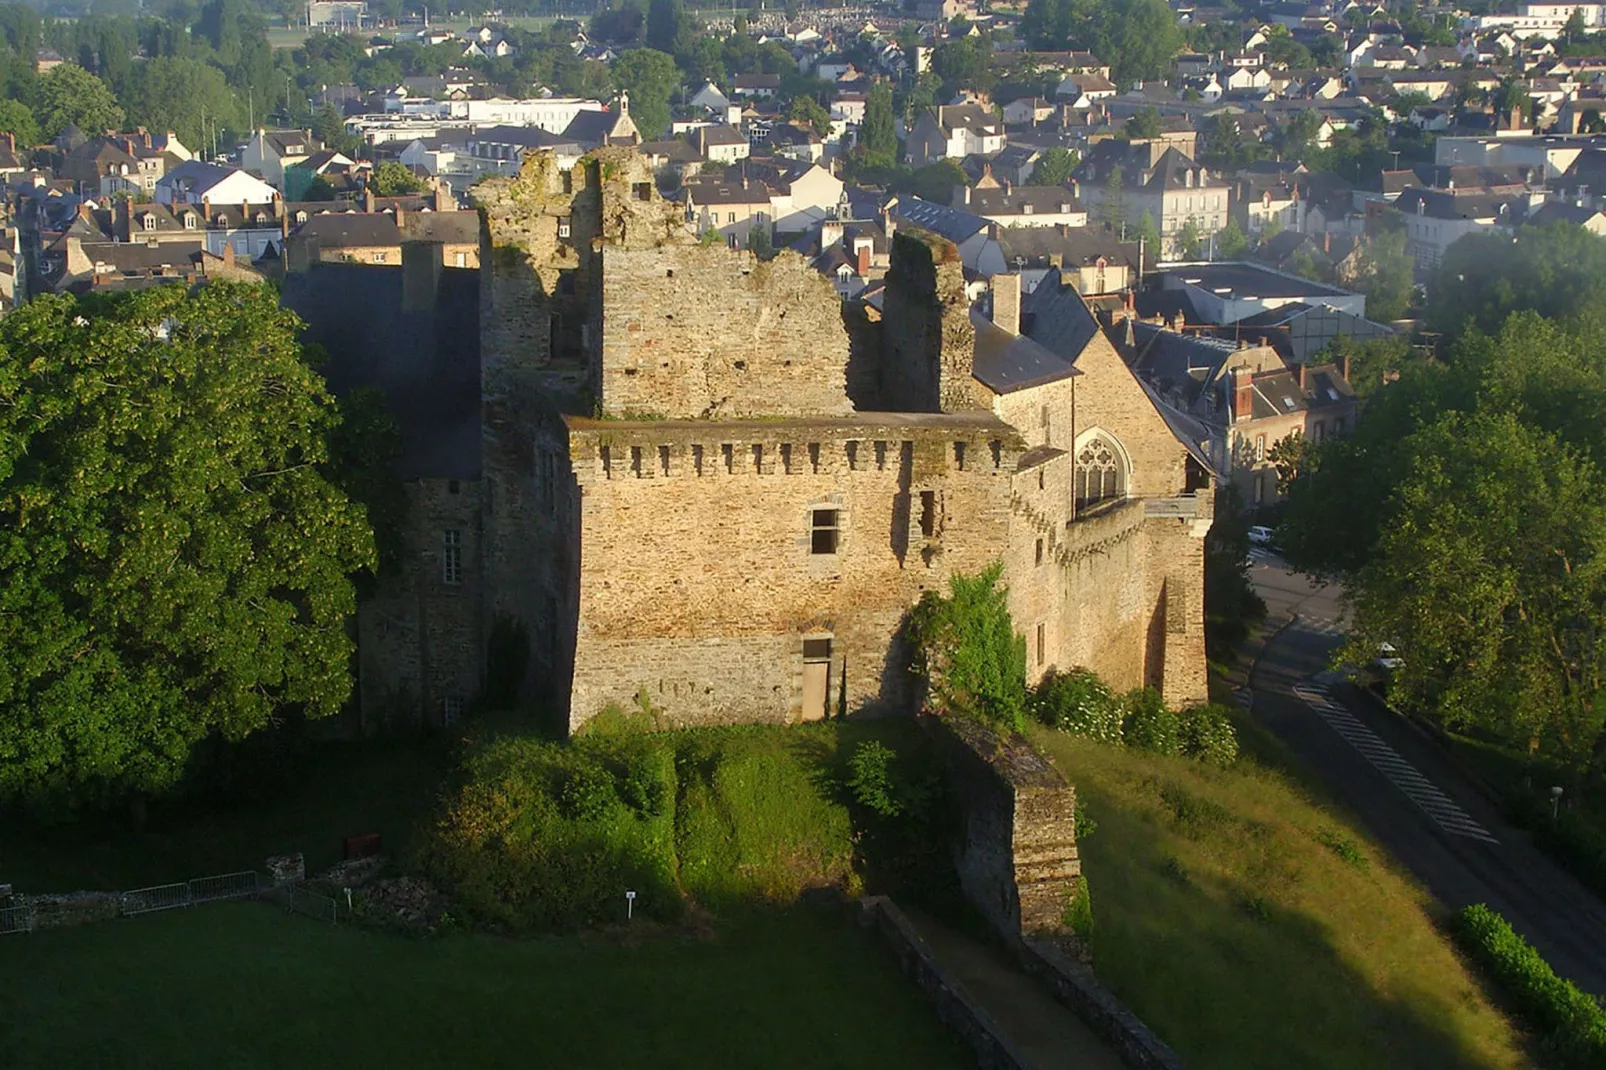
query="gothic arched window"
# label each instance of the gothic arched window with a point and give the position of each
(1100, 472)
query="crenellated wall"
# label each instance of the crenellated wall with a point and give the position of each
(700, 581)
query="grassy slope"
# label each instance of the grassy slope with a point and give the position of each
(1226, 923)
(244, 985)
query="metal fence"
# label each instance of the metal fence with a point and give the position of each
(302, 900)
(17, 919)
(188, 893)
(22, 916)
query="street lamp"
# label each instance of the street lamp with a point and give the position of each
(630, 905)
(1555, 802)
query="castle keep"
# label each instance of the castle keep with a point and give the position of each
(706, 484)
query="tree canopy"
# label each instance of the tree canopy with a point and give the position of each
(1467, 515)
(1556, 270)
(71, 96)
(178, 562)
(650, 77)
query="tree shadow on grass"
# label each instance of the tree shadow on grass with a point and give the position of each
(1232, 976)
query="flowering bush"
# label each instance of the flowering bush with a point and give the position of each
(1078, 702)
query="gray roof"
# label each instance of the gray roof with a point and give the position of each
(954, 224)
(1055, 315)
(1007, 362)
(1015, 200)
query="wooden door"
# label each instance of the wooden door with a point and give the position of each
(816, 689)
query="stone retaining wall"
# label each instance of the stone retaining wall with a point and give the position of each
(1074, 985)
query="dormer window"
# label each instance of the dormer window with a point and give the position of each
(221, 220)
(301, 217)
(189, 220)
(148, 221)
(261, 218)
(564, 226)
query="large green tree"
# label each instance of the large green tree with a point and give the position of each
(1055, 167)
(650, 77)
(1556, 270)
(879, 135)
(1387, 276)
(175, 94)
(178, 563)
(1467, 516)
(17, 119)
(71, 96)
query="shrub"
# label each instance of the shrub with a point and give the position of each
(1078, 702)
(1572, 1023)
(882, 785)
(967, 650)
(758, 818)
(1078, 915)
(1343, 846)
(548, 836)
(1571, 839)
(1150, 725)
(1206, 733)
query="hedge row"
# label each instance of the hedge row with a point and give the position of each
(1571, 1023)
(1080, 703)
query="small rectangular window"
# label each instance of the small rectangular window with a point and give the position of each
(824, 533)
(462, 260)
(730, 217)
(451, 708)
(928, 513)
(959, 456)
(816, 650)
(568, 181)
(452, 556)
(642, 190)
(1039, 551)
(563, 226)
(1042, 643)
(379, 258)
(1260, 447)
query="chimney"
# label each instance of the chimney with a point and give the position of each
(443, 197)
(228, 255)
(278, 205)
(1304, 377)
(206, 212)
(1327, 241)
(967, 194)
(400, 217)
(368, 199)
(1006, 302)
(1243, 394)
(864, 261)
(1343, 366)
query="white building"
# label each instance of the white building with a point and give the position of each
(194, 181)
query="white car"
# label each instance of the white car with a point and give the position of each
(1260, 536)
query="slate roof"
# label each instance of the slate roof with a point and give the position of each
(1056, 316)
(1449, 204)
(1073, 245)
(1005, 363)
(952, 223)
(1015, 200)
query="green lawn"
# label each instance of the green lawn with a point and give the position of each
(245, 985)
(1251, 927)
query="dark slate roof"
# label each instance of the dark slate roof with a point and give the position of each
(590, 128)
(1180, 363)
(426, 363)
(350, 229)
(452, 228)
(1073, 245)
(1446, 204)
(1043, 200)
(952, 223)
(1055, 315)
(1005, 362)
(701, 192)
(528, 137)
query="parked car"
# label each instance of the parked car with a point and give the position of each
(1260, 536)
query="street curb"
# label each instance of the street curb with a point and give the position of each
(1247, 659)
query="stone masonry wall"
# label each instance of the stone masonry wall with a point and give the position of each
(420, 638)
(928, 343)
(1018, 861)
(697, 578)
(703, 331)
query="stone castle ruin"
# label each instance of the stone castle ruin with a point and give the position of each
(705, 485)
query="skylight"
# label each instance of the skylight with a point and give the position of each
(1288, 402)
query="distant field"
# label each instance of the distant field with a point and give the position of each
(1253, 929)
(244, 985)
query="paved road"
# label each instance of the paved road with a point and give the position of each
(1406, 792)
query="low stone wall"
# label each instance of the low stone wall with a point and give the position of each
(1018, 864)
(954, 1004)
(65, 909)
(1017, 860)
(1074, 985)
